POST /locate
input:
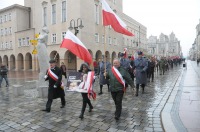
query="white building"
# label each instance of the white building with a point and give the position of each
(19, 24)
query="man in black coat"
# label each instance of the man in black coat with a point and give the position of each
(3, 74)
(55, 90)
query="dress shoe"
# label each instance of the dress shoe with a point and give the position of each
(62, 106)
(116, 118)
(90, 109)
(81, 116)
(46, 110)
(100, 93)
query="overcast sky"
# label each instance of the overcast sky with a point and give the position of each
(159, 16)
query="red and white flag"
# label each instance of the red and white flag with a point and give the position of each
(110, 18)
(73, 44)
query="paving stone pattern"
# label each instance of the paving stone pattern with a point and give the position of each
(139, 114)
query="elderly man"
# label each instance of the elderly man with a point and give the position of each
(54, 75)
(117, 76)
(140, 65)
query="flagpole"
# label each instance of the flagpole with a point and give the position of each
(105, 49)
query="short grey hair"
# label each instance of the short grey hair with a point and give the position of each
(116, 59)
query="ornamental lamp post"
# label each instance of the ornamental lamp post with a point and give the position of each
(76, 25)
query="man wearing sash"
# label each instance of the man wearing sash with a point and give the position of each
(55, 90)
(117, 76)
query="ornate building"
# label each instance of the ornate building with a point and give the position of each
(19, 24)
(164, 46)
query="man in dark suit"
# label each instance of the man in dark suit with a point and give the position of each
(56, 89)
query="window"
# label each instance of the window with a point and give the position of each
(45, 16)
(96, 14)
(6, 45)
(1, 32)
(96, 37)
(115, 41)
(5, 18)
(27, 41)
(10, 30)
(20, 42)
(1, 19)
(2, 45)
(24, 42)
(54, 38)
(64, 11)
(63, 35)
(10, 46)
(9, 17)
(109, 40)
(54, 14)
(114, 1)
(5, 31)
(103, 39)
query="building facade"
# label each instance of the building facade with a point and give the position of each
(166, 46)
(194, 51)
(19, 24)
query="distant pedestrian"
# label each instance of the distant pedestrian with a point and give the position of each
(55, 90)
(117, 76)
(104, 66)
(141, 66)
(198, 61)
(125, 63)
(64, 69)
(151, 69)
(3, 74)
(95, 64)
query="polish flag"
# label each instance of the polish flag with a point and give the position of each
(110, 18)
(73, 44)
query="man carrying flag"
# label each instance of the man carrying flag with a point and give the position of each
(117, 76)
(55, 90)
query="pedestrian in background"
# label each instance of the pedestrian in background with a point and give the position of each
(3, 74)
(56, 89)
(101, 70)
(64, 69)
(141, 66)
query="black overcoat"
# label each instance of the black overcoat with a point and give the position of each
(57, 92)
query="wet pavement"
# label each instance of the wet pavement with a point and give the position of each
(139, 114)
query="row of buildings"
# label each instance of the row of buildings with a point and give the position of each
(19, 24)
(194, 52)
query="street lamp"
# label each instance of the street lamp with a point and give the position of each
(76, 25)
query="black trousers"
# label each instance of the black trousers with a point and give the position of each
(151, 75)
(49, 102)
(142, 85)
(86, 101)
(117, 97)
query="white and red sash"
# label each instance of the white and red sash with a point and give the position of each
(119, 77)
(54, 77)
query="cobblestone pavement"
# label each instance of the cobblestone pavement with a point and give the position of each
(139, 114)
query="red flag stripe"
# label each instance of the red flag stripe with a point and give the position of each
(73, 44)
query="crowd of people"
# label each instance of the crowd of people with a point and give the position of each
(123, 71)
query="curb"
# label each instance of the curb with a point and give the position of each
(166, 120)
